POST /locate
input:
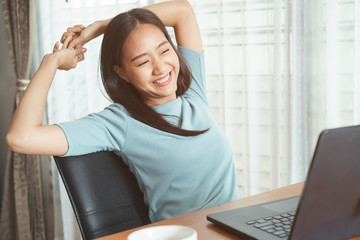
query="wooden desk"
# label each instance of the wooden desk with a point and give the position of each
(205, 229)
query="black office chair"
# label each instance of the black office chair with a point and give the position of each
(103, 192)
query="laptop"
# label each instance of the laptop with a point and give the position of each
(328, 208)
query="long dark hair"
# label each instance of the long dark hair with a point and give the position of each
(119, 90)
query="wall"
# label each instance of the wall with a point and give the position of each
(7, 96)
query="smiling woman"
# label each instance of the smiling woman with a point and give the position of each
(141, 67)
(277, 72)
(159, 122)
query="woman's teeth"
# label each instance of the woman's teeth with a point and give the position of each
(164, 79)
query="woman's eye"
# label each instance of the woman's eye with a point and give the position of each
(143, 63)
(165, 51)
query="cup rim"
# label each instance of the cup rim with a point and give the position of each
(192, 235)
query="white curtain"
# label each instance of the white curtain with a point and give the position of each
(278, 72)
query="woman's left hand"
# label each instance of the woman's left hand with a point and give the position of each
(81, 35)
(74, 32)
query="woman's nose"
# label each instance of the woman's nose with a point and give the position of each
(159, 67)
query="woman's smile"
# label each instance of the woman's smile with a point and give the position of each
(163, 81)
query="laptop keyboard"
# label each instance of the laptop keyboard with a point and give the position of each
(278, 225)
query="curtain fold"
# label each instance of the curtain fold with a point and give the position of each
(22, 213)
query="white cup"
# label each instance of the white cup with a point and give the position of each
(167, 232)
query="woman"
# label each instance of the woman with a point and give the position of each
(159, 123)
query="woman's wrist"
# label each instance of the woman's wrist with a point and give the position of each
(51, 59)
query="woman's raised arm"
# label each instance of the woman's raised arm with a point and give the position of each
(177, 14)
(27, 134)
(180, 15)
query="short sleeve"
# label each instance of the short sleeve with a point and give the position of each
(196, 63)
(103, 131)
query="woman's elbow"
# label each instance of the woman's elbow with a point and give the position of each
(15, 142)
(186, 6)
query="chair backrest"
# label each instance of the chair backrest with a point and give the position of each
(103, 192)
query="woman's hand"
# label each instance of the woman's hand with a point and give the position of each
(74, 32)
(81, 35)
(66, 57)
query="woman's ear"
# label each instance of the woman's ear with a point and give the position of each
(120, 72)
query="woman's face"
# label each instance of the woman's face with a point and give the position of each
(150, 64)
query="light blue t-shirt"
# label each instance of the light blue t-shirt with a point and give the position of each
(177, 174)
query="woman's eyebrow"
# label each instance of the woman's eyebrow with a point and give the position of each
(143, 54)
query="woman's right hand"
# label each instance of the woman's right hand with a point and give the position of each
(66, 57)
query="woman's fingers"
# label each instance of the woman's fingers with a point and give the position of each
(56, 47)
(81, 57)
(80, 51)
(66, 42)
(76, 42)
(74, 31)
(64, 36)
(80, 54)
(76, 28)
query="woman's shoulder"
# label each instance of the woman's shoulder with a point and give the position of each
(110, 114)
(189, 53)
(196, 62)
(116, 108)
